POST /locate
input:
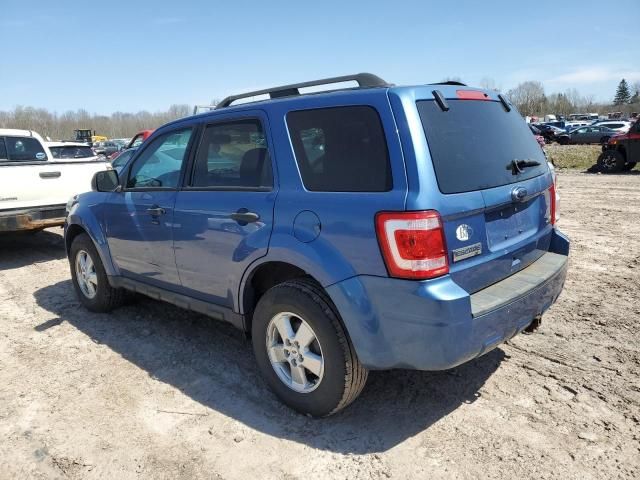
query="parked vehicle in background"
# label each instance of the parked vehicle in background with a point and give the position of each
(561, 124)
(83, 135)
(106, 148)
(590, 134)
(573, 125)
(121, 160)
(549, 132)
(619, 126)
(396, 258)
(139, 137)
(538, 134)
(71, 150)
(35, 183)
(622, 152)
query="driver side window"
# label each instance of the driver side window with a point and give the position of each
(160, 163)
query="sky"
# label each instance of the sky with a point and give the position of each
(146, 55)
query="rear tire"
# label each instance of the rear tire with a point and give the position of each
(611, 161)
(298, 307)
(90, 279)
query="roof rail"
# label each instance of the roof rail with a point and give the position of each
(203, 107)
(363, 79)
(450, 82)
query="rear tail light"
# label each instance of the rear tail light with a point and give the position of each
(413, 244)
(554, 199)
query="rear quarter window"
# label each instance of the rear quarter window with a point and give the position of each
(341, 149)
(24, 149)
(3, 150)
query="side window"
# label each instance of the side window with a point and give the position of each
(159, 164)
(233, 154)
(24, 149)
(341, 149)
(3, 150)
(582, 130)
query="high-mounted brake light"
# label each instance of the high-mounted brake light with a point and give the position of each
(413, 244)
(472, 95)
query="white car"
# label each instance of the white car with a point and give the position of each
(620, 126)
(71, 151)
(35, 185)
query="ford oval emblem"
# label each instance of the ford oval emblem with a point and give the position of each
(518, 194)
(464, 232)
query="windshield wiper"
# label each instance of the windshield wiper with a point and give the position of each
(517, 166)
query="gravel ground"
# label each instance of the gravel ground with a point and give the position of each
(155, 392)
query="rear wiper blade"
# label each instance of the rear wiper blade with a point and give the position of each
(517, 166)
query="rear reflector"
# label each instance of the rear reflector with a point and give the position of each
(472, 95)
(553, 197)
(412, 244)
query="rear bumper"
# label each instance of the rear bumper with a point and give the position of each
(32, 218)
(436, 325)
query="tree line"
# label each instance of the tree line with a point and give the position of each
(531, 100)
(61, 126)
(529, 97)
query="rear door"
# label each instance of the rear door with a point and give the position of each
(224, 213)
(492, 187)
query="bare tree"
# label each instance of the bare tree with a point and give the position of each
(118, 124)
(489, 83)
(529, 97)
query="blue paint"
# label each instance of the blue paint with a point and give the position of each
(198, 249)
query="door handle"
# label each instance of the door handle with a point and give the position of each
(50, 174)
(245, 216)
(156, 211)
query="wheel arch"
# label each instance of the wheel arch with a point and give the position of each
(77, 225)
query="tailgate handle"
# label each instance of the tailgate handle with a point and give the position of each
(50, 174)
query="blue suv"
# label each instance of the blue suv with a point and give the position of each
(372, 227)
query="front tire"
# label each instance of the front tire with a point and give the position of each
(89, 277)
(302, 350)
(629, 166)
(611, 161)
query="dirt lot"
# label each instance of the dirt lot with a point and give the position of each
(154, 392)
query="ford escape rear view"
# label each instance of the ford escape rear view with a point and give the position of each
(373, 227)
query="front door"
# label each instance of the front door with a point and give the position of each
(224, 214)
(139, 218)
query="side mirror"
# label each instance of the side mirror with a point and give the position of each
(105, 181)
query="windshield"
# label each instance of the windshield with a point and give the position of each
(474, 143)
(69, 151)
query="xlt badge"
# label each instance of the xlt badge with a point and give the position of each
(467, 252)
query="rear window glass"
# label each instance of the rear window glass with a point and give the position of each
(341, 149)
(24, 149)
(474, 143)
(232, 155)
(69, 151)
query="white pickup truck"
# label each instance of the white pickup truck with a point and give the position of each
(35, 184)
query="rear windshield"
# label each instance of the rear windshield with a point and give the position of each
(23, 149)
(69, 151)
(474, 143)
